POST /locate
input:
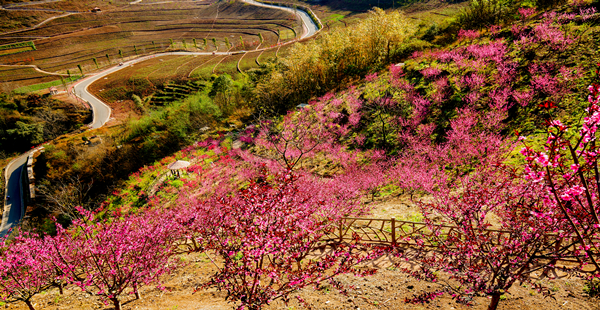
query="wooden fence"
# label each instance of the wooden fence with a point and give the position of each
(406, 233)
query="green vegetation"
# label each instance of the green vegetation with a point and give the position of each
(335, 17)
(18, 45)
(483, 13)
(316, 67)
(9, 49)
(27, 120)
(592, 288)
(42, 86)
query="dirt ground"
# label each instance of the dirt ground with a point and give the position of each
(387, 289)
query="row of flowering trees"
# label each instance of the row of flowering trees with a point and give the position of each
(269, 239)
(101, 258)
(264, 237)
(434, 126)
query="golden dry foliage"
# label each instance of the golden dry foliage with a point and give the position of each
(316, 67)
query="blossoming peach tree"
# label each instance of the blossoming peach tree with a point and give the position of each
(105, 258)
(567, 166)
(25, 268)
(494, 225)
(270, 238)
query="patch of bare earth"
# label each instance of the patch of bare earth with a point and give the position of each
(387, 289)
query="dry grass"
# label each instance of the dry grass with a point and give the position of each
(14, 20)
(15, 77)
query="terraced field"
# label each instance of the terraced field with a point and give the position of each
(15, 77)
(142, 29)
(14, 20)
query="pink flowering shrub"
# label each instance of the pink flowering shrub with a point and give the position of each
(468, 34)
(265, 233)
(26, 268)
(525, 13)
(105, 258)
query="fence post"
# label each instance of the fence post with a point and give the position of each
(393, 231)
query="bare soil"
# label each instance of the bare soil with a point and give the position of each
(387, 289)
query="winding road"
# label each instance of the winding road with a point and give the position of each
(102, 111)
(14, 208)
(12, 214)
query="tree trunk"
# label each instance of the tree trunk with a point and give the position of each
(61, 289)
(136, 292)
(495, 301)
(116, 303)
(28, 303)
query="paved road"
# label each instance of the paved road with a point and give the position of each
(310, 28)
(13, 207)
(102, 111)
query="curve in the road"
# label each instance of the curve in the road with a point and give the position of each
(101, 112)
(14, 206)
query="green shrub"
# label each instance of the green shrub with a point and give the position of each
(177, 183)
(117, 93)
(592, 287)
(314, 68)
(484, 13)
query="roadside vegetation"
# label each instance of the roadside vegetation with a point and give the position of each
(28, 120)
